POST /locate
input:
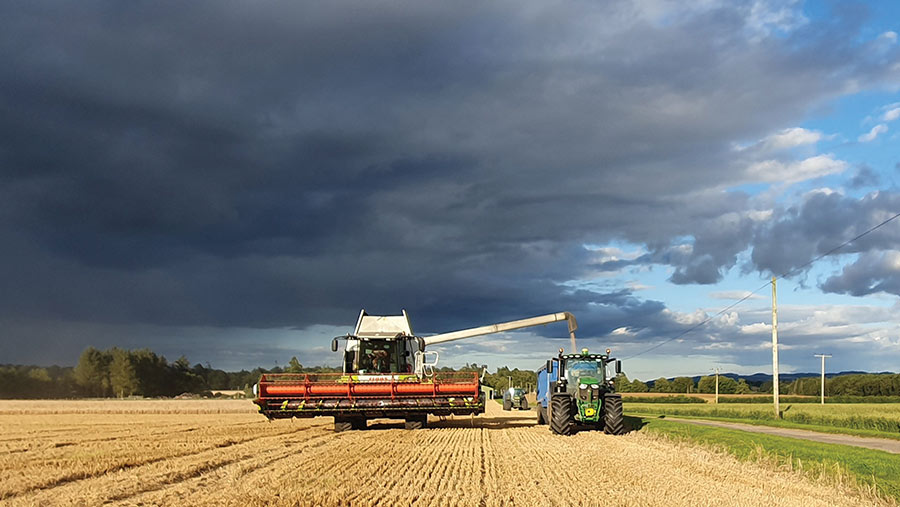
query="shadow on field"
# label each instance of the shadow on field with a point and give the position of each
(490, 422)
(493, 419)
(634, 423)
(502, 421)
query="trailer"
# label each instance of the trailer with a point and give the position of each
(386, 373)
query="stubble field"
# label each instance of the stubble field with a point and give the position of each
(223, 453)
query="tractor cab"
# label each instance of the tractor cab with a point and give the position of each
(584, 369)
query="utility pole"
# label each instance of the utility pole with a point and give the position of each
(823, 356)
(509, 382)
(717, 385)
(775, 350)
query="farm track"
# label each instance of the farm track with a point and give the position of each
(879, 444)
(240, 459)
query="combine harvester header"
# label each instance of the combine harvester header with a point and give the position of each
(387, 373)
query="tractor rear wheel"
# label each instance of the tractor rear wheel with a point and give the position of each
(524, 404)
(613, 420)
(416, 422)
(507, 405)
(562, 415)
(342, 424)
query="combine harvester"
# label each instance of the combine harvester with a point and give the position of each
(386, 374)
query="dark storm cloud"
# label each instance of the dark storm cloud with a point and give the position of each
(871, 273)
(865, 177)
(285, 165)
(821, 223)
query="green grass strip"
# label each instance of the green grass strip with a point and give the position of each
(864, 426)
(870, 467)
(838, 430)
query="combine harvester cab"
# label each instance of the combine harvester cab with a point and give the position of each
(575, 389)
(386, 374)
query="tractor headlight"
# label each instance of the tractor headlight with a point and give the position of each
(584, 394)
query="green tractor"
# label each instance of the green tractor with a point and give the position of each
(574, 390)
(514, 397)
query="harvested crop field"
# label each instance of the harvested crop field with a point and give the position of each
(221, 453)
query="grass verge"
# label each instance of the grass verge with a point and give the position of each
(781, 424)
(842, 419)
(868, 470)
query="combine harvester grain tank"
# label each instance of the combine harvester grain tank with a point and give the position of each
(387, 373)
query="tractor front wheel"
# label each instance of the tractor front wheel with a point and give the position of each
(507, 405)
(613, 420)
(562, 415)
(524, 404)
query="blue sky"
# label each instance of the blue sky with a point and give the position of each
(236, 193)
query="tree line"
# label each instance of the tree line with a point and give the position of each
(122, 373)
(864, 384)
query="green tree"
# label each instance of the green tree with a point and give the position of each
(621, 383)
(92, 372)
(727, 385)
(742, 387)
(662, 385)
(122, 376)
(682, 385)
(152, 374)
(294, 366)
(638, 387)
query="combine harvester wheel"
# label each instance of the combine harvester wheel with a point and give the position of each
(416, 422)
(342, 424)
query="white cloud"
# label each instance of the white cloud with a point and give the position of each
(767, 16)
(636, 286)
(734, 295)
(891, 115)
(782, 140)
(760, 215)
(792, 137)
(890, 37)
(875, 132)
(756, 328)
(812, 167)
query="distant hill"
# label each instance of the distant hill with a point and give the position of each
(757, 379)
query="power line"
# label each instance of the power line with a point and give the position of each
(763, 286)
(835, 249)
